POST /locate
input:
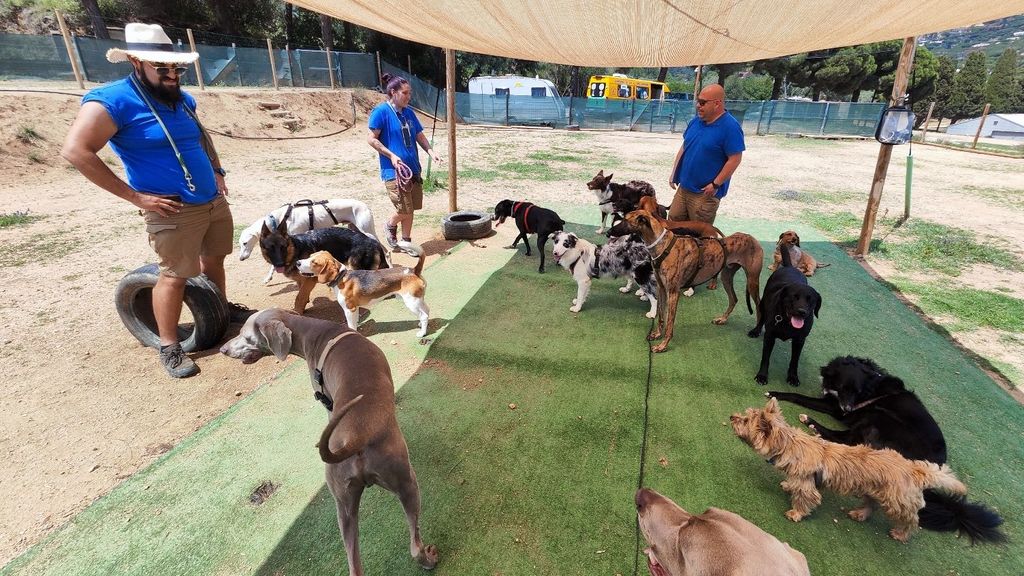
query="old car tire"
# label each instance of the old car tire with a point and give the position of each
(134, 302)
(466, 225)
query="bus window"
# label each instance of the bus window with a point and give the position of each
(642, 93)
(540, 92)
(597, 89)
(623, 91)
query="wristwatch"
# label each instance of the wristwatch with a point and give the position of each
(221, 171)
(715, 186)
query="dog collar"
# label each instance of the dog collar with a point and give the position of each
(318, 375)
(658, 239)
(334, 283)
(869, 402)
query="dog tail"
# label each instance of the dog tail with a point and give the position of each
(325, 437)
(784, 253)
(415, 250)
(945, 512)
(820, 265)
(719, 232)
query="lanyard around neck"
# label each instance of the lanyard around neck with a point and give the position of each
(177, 153)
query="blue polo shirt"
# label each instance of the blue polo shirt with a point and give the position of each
(149, 162)
(389, 121)
(706, 147)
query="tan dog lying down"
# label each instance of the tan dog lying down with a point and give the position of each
(713, 543)
(801, 260)
(355, 288)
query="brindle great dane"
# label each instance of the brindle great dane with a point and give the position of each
(685, 261)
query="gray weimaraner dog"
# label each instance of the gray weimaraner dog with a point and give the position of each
(362, 444)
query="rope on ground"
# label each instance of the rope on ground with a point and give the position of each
(207, 129)
(643, 443)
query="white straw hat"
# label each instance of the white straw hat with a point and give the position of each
(149, 42)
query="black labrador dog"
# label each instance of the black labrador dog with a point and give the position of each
(354, 249)
(880, 412)
(787, 311)
(530, 219)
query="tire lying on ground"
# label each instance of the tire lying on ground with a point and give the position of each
(134, 302)
(466, 225)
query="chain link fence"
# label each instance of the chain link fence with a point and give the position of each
(241, 62)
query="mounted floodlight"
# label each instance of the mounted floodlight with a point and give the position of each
(895, 126)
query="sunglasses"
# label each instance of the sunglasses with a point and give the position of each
(165, 69)
(701, 102)
(406, 133)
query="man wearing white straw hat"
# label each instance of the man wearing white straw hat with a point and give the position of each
(173, 173)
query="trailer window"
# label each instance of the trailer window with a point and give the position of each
(501, 91)
(540, 92)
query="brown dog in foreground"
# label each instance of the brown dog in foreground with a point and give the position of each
(682, 261)
(362, 444)
(801, 260)
(881, 477)
(715, 542)
(689, 227)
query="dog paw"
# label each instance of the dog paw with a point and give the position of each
(859, 514)
(899, 535)
(640, 292)
(623, 290)
(599, 231)
(803, 418)
(428, 557)
(574, 308)
(688, 292)
(754, 332)
(769, 394)
(794, 515)
(650, 315)
(654, 335)
(792, 380)
(761, 379)
(660, 348)
(720, 320)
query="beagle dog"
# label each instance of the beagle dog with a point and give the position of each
(801, 260)
(355, 288)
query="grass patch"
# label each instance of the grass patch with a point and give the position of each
(837, 225)
(438, 182)
(1016, 150)
(530, 171)
(480, 174)
(555, 155)
(28, 135)
(1009, 197)
(238, 232)
(936, 247)
(17, 218)
(55, 245)
(972, 308)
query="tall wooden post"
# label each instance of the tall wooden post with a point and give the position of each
(380, 75)
(71, 51)
(453, 185)
(981, 125)
(199, 68)
(696, 85)
(899, 88)
(330, 68)
(273, 66)
(927, 119)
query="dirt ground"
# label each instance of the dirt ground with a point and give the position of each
(85, 406)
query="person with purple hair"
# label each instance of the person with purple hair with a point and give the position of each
(394, 131)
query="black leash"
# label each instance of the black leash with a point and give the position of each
(643, 444)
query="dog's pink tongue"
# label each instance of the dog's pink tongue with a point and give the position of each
(279, 269)
(797, 323)
(653, 565)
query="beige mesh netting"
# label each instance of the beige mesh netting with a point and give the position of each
(657, 33)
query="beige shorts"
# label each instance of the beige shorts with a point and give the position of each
(197, 230)
(689, 206)
(409, 200)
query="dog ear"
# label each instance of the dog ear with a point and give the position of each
(797, 237)
(278, 337)
(328, 267)
(283, 227)
(817, 303)
(772, 406)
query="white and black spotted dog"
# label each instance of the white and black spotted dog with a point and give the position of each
(623, 256)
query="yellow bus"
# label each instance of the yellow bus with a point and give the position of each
(622, 87)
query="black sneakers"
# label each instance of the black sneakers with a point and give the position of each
(239, 312)
(177, 364)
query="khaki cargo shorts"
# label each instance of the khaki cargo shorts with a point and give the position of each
(409, 200)
(198, 229)
(689, 206)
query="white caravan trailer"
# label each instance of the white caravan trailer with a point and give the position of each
(513, 99)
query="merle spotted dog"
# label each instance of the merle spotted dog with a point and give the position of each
(621, 256)
(614, 198)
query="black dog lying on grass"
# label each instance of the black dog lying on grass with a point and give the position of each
(880, 412)
(529, 219)
(787, 311)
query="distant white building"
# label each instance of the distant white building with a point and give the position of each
(1010, 126)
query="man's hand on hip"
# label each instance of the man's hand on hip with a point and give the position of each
(150, 203)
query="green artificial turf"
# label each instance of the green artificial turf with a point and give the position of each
(546, 488)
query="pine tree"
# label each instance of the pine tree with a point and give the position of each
(968, 96)
(944, 88)
(1001, 88)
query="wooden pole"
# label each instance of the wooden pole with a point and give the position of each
(409, 68)
(380, 75)
(927, 119)
(981, 125)
(71, 51)
(273, 66)
(899, 88)
(696, 85)
(453, 185)
(199, 68)
(330, 68)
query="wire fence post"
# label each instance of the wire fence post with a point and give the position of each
(198, 66)
(273, 66)
(507, 98)
(380, 75)
(330, 67)
(824, 119)
(71, 52)
(768, 127)
(927, 119)
(981, 125)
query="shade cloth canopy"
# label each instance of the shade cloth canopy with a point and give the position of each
(656, 33)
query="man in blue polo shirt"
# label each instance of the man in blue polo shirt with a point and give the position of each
(173, 174)
(711, 151)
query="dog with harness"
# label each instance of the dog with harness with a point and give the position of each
(614, 198)
(530, 219)
(622, 256)
(311, 214)
(684, 261)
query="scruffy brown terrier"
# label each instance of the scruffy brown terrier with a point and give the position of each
(880, 476)
(801, 260)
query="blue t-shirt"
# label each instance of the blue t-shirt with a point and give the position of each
(706, 147)
(140, 142)
(390, 123)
